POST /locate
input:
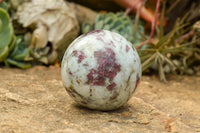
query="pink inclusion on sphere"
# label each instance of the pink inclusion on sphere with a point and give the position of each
(92, 32)
(79, 54)
(137, 81)
(107, 68)
(127, 48)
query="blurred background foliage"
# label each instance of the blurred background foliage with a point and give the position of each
(29, 31)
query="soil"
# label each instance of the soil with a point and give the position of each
(35, 100)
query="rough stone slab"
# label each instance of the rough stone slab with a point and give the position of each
(35, 100)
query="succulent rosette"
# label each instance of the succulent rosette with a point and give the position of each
(119, 23)
(13, 49)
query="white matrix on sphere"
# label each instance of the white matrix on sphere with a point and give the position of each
(101, 70)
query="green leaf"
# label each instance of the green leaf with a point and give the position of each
(161, 71)
(165, 40)
(181, 48)
(161, 29)
(0, 24)
(86, 27)
(3, 53)
(4, 6)
(12, 44)
(6, 37)
(148, 62)
(20, 51)
(5, 20)
(6, 34)
(19, 64)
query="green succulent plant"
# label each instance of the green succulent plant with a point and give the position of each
(116, 22)
(166, 54)
(13, 50)
(170, 52)
(6, 35)
(4, 6)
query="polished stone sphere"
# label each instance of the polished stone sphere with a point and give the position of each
(101, 70)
